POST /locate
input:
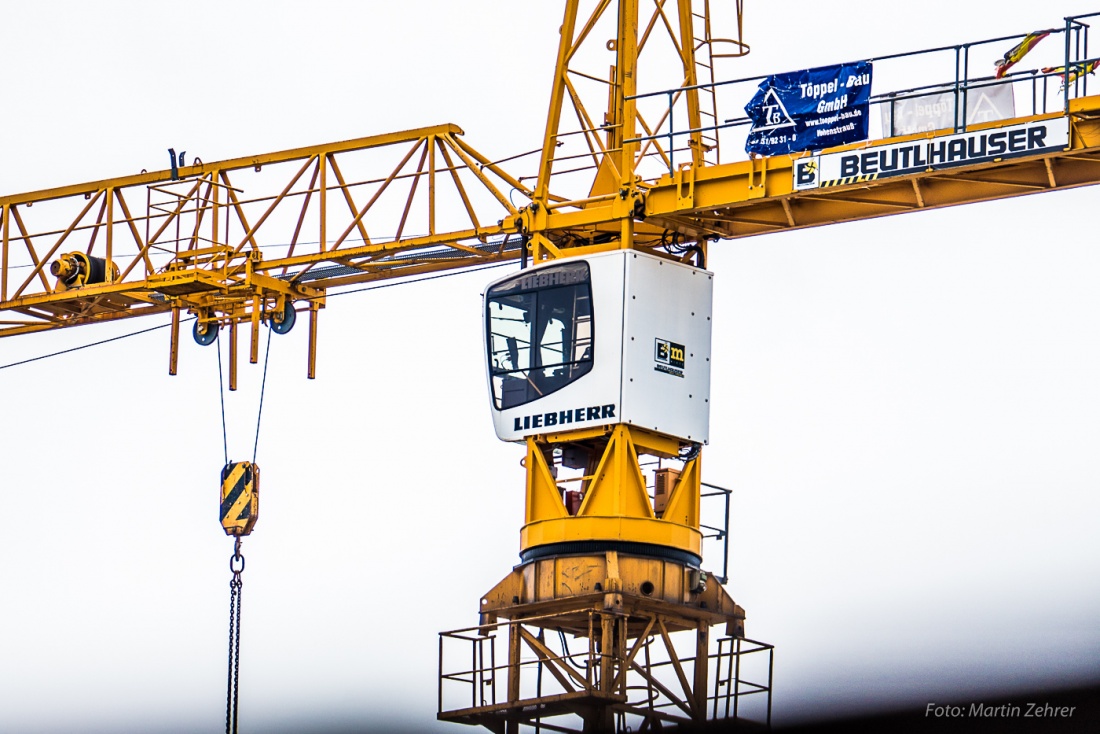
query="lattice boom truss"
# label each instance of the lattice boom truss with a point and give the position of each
(236, 239)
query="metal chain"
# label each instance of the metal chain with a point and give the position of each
(236, 565)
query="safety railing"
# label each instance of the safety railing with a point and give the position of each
(969, 96)
(528, 671)
(475, 673)
(718, 533)
(714, 511)
(732, 688)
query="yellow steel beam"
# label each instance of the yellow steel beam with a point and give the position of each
(202, 248)
(185, 172)
(224, 233)
(732, 200)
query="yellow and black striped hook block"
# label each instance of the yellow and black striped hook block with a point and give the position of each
(240, 506)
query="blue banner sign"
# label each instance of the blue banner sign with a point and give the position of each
(810, 110)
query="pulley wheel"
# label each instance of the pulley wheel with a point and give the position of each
(204, 334)
(287, 323)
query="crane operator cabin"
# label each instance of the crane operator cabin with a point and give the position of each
(621, 337)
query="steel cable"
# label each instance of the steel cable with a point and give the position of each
(263, 386)
(329, 295)
(221, 396)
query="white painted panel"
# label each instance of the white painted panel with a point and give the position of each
(666, 364)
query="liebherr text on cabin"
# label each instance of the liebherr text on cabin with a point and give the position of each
(564, 417)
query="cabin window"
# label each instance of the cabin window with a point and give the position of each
(540, 332)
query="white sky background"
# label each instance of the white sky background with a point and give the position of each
(908, 409)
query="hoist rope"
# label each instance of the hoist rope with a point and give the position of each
(263, 386)
(86, 346)
(376, 287)
(221, 396)
(236, 561)
(259, 411)
(234, 638)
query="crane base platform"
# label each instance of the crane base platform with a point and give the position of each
(616, 582)
(602, 642)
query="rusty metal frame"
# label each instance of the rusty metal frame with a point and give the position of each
(628, 666)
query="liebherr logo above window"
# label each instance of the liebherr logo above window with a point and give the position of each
(669, 357)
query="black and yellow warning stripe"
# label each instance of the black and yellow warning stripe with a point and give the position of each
(240, 505)
(848, 180)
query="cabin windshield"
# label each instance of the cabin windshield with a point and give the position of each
(540, 332)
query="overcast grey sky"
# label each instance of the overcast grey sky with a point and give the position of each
(907, 409)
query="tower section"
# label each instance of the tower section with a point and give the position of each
(596, 363)
(600, 366)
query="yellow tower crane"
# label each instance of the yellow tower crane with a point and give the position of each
(597, 351)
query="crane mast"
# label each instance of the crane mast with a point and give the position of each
(622, 383)
(597, 350)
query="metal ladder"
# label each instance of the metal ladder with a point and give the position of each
(705, 57)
